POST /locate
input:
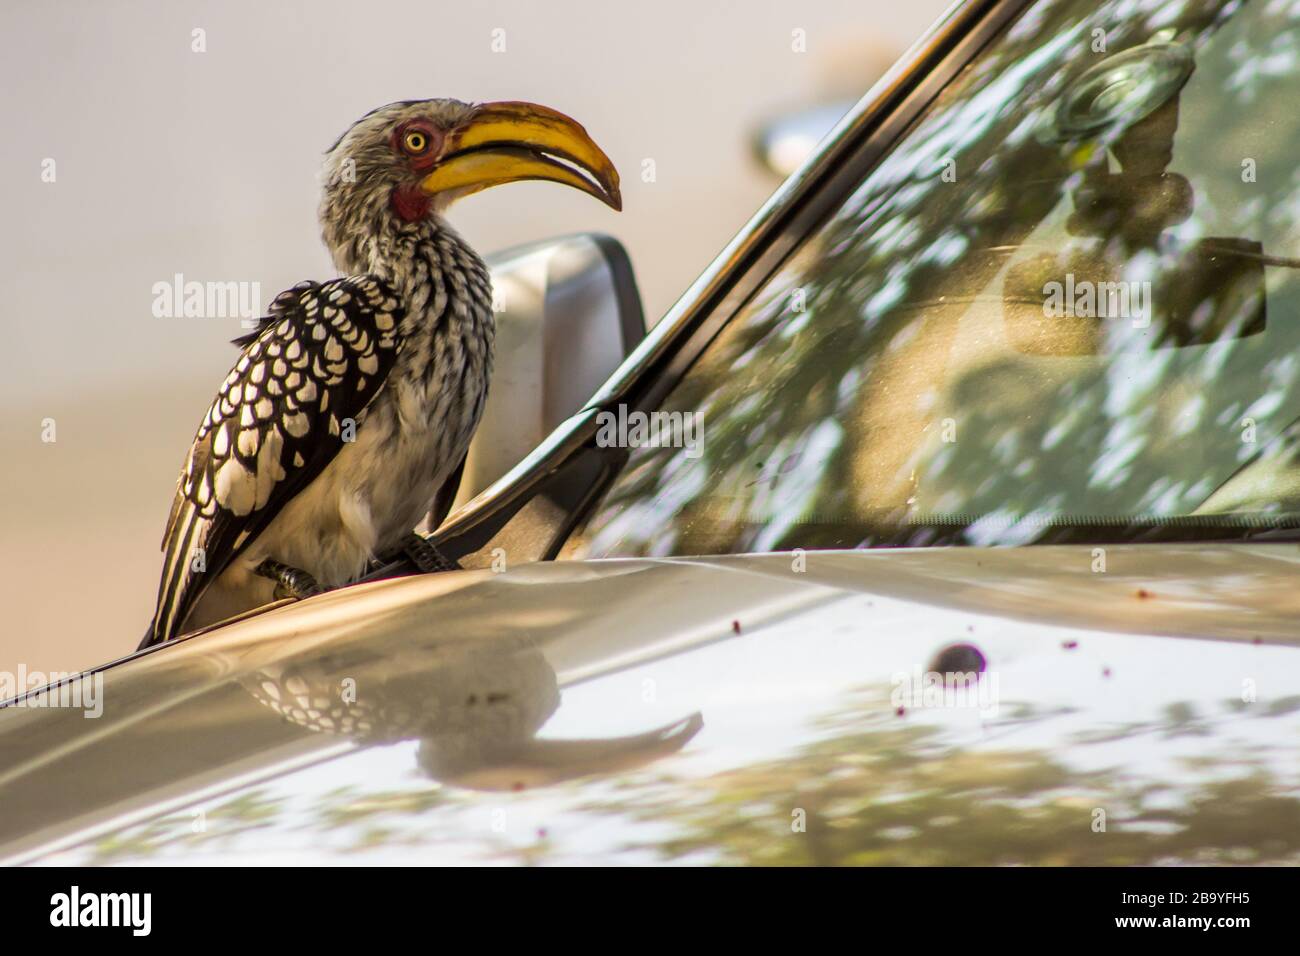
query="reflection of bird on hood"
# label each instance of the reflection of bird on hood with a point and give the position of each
(476, 711)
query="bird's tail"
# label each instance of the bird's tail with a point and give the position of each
(179, 585)
(149, 640)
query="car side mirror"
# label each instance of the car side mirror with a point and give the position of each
(782, 145)
(567, 312)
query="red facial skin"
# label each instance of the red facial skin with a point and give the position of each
(409, 201)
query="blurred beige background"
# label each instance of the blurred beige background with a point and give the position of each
(168, 161)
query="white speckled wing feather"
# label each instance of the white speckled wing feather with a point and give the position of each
(299, 390)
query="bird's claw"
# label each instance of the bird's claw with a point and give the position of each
(420, 552)
(289, 582)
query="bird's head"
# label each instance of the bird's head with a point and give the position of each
(410, 160)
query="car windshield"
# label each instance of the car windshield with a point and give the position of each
(1064, 307)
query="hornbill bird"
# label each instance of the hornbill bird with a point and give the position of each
(350, 409)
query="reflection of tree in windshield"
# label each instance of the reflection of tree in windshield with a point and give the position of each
(900, 382)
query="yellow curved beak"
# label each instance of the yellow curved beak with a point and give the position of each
(512, 141)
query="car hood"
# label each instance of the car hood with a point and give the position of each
(1136, 704)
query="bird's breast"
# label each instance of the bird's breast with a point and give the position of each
(415, 431)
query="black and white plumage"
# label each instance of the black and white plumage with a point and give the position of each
(300, 389)
(352, 405)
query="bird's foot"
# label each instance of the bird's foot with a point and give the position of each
(289, 582)
(417, 549)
